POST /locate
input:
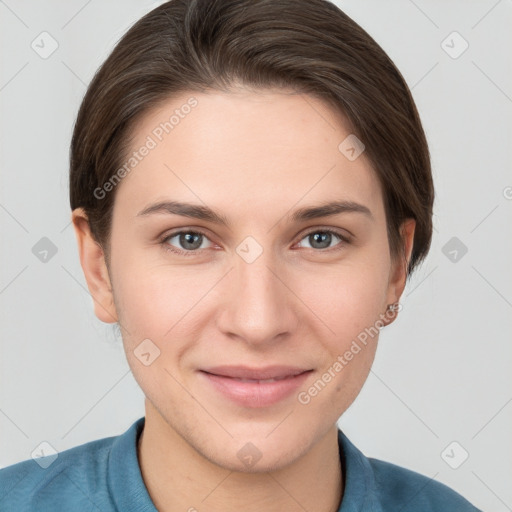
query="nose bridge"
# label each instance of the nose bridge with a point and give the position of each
(258, 308)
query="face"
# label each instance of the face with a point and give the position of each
(260, 284)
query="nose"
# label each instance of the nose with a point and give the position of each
(260, 307)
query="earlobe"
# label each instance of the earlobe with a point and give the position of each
(398, 276)
(93, 263)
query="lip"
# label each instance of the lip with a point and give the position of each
(246, 372)
(255, 394)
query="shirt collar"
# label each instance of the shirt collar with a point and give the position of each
(131, 495)
(125, 481)
(360, 488)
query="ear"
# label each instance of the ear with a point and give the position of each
(95, 269)
(398, 274)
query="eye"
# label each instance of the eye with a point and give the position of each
(190, 241)
(322, 238)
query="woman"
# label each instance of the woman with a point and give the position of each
(250, 188)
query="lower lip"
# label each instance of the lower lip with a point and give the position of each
(255, 394)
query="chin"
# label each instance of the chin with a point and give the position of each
(250, 459)
(257, 451)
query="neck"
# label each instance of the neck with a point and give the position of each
(180, 478)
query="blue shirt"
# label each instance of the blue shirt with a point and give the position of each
(104, 475)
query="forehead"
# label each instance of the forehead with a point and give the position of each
(244, 150)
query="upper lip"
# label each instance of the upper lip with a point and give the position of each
(246, 372)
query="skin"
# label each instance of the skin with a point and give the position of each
(255, 157)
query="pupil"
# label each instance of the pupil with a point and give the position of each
(186, 240)
(325, 236)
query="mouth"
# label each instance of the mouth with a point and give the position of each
(255, 388)
(260, 381)
(268, 373)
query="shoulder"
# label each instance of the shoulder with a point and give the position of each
(385, 487)
(74, 478)
(398, 485)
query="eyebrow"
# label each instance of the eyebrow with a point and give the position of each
(205, 213)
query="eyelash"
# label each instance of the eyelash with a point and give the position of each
(345, 241)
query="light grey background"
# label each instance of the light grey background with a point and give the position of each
(442, 371)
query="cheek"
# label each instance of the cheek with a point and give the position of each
(346, 298)
(350, 307)
(154, 309)
(154, 302)
(150, 297)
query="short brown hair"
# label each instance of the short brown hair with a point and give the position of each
(310, 46)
